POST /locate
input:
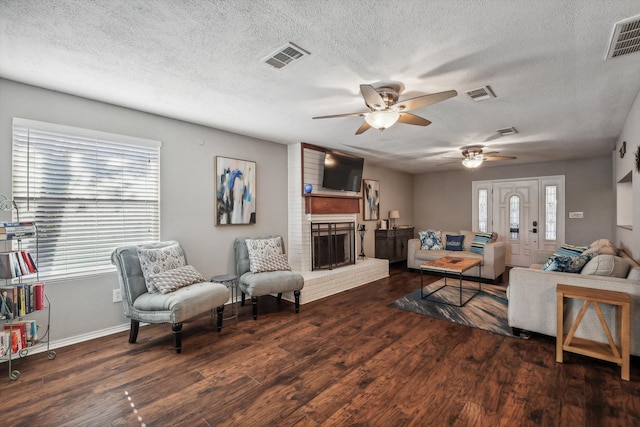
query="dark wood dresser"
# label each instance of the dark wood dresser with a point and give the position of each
(392, 244)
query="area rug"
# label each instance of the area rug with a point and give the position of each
(487, 310)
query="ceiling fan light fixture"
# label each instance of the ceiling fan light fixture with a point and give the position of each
(382, 120)
(473, 161)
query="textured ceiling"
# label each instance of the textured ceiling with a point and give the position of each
(201, 61)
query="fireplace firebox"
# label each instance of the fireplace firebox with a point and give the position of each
(333, 245)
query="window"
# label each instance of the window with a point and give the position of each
(483, 210)
(514, 217)
(88, 192)
(550, 212)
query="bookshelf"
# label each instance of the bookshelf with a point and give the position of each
(23, 302)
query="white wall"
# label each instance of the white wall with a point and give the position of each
(442, 200)
(629, 239)
(83, 306)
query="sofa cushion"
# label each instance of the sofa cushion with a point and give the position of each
(454, 242)
(569, 250)
(602, 247)
(468, 238)
(277, 262)
(479, 241)
(634, 274)
(606, 265)
(174, 279)
(431, 240)
(158, 260)
(567, 264)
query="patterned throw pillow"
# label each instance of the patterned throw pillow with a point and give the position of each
(430, 240)
(479, 241)
(454, 242)
(276, 262)
(569, 250)
(158, 260)
(264, 247)
(567, 264)
(171, 280)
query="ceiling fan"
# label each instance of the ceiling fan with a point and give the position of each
(386, 110)
(473, 156)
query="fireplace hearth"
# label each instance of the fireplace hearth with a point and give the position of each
(332, 245)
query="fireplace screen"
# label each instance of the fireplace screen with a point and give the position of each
(333, 245)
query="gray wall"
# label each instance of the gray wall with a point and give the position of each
(442, 200)
(83, 307)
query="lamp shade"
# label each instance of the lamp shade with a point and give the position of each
(394, 214)
(382, 120)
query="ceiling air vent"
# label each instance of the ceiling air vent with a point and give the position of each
(507, 131)
(286, 55)
(481, 94)
(625, 39)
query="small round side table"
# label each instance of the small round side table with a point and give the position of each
(231, 282)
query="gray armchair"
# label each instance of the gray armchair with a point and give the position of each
(174, 307)
(271, 282)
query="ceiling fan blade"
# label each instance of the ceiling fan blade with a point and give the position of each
(495, 158)
(339, 115)
(424, 100)
(363, 128)
(412, 119)
(372, 98)
(449, 163)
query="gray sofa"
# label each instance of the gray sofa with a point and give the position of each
(492, 261)
(532, 297)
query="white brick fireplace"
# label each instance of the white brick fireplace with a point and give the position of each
(320, 283)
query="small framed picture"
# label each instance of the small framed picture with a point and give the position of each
(371, 199)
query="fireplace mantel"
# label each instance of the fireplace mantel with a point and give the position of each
(331, 204)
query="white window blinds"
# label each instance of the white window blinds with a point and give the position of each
(88, 192)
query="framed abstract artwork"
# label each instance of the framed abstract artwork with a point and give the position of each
(371, 199)
(235, 191)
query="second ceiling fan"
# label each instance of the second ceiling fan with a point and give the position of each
(473, 156)
(386, 110)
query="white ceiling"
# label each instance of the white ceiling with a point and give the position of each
(201, 61)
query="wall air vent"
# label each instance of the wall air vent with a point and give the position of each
(481, 94)
(625, 38)
(507, 131)
(286, 55)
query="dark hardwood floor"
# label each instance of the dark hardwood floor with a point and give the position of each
(345, 360)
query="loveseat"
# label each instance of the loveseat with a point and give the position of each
(532, 293)
(492, 259)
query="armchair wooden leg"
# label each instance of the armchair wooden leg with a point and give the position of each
(254, 304)
(133, 332)
(177, 336)
(279, 297)
(296, 294)
(242, 299)
(219, 310)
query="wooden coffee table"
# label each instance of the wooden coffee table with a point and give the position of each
(451, 265)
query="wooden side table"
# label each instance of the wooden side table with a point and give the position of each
(617, 353)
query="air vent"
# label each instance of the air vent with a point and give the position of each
(481, 94)
(625, 39)
(507, 131)
(286, 55)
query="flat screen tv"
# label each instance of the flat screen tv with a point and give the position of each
(342, 171)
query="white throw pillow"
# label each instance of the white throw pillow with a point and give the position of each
(606, 265)
(276, 262)
(158, 260)
(264, 247)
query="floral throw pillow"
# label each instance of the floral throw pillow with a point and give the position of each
(567, 264)
(430, 240)
(264, 247)
(159, 260)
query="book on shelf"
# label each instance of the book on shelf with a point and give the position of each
(18, 331)
(17, 230)
(5, 343)
(16, 264)
(21, 299)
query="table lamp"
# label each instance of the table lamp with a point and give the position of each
(394, 215)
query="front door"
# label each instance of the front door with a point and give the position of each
(515, 214)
